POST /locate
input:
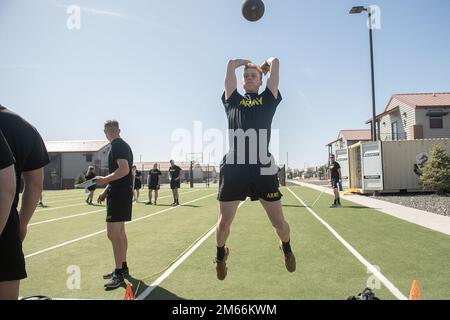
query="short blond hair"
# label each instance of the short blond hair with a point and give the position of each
(111, 124)
(254, 66)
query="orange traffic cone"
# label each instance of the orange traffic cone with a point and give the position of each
(129, 294)
(415, 291)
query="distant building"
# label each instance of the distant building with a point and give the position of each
(346, 138)
(70, 158)
(414, 116)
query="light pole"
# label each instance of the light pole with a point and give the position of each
(357, 10)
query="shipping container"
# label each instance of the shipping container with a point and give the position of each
(388, 166)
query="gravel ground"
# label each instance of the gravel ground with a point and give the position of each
(427, 202)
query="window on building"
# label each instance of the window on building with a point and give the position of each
(88, 157)
(436, 119)
(394, 131)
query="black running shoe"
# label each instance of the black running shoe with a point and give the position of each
(109, 275)
(149, 202)
(116, 281)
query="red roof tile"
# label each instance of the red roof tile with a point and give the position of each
(417, 100)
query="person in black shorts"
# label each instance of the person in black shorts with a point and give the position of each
(137, 184)
(174, 177)
(7, 181)
(119, 201)
(90, 174)
(334, 174)
(30, 156)
(248, 169)
(153, 183)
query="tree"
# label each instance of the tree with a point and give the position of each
(436, 173)
(81, 178)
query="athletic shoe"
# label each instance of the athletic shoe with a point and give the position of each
(174, 204)
(149, 202)
(334, 205)
(116, 281)
(221, 265)
(109, 275)
(289, 260)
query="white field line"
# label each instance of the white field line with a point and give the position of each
(80, 197)
(172, 268)
(86, 213)
(104, 230)
(388, 284)
(82, 203)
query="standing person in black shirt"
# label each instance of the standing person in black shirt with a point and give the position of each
(153, 183)
(119, 200)
(7, 181)
(248, 169)
(334, 174)
(90, 174)
(137, 184)
(31, 156)
(174, 177)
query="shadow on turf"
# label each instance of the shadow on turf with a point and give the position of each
(158, 293)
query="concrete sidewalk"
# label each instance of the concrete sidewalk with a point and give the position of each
(422, 218)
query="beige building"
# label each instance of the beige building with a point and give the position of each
(346, 138)
(68, 159)
(415, 116)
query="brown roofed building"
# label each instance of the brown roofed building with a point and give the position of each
(415, 116)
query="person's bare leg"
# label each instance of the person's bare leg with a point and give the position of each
(156, 195)
(274, 211)
(124, 243)
(227, 212)
(9, 290)
(114, 230)
(174, 192)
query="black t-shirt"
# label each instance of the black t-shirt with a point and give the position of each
(120, 150)
(334, 167)
(25, 143)
(174, 172)
(154, 176)
(6, 156)
(137, 176)
(90, 175)
(252, 111)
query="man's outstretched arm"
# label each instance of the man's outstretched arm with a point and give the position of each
(272, 65)
(230, 77)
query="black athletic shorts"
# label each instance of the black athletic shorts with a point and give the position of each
(237, 182)
(137, 184)
(92, 188)
(119, 203)
(174, 184)
(334, 182)
(153, 186)
(12, 260)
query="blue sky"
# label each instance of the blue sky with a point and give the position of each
(158, 66)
